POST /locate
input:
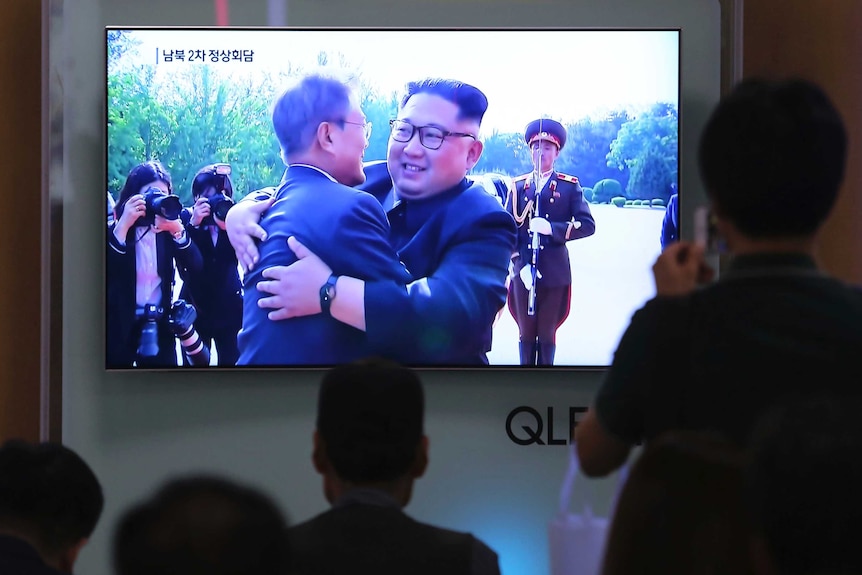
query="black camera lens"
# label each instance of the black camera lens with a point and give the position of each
(169, 207)
(149, 342)
(220, 204)
(159, 203)
(149, 346)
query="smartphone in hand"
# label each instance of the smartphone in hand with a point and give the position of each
(706, 233)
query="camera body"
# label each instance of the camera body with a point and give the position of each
(159, 203)
(216, 176)
(219, 206)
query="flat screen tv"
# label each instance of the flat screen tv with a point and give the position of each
(193, 98)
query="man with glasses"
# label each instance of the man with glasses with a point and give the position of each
(454, 238)
(323, 135)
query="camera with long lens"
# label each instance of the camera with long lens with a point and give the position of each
(149, 315)
(159, 203)
(180, 319)
(220, 203)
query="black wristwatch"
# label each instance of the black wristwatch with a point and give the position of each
(327, 294)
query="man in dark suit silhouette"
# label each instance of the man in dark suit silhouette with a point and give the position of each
(670, 222)
(323, 135)
(716, 356)
(551, 204)
(50, 502)
(802, 480)
(202, 525)
(370, 447)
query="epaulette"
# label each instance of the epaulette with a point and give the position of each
(567, 178)
(522, 177)
(261, 195)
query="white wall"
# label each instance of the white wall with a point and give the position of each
(136, 429)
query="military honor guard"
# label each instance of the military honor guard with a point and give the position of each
(550, 211)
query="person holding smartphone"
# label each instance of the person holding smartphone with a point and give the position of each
(774, 324)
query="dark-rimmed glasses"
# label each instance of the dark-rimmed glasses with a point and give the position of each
(366, 126)
(429, 136)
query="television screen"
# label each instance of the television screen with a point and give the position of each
(591, 115)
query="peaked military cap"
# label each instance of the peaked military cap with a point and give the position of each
(545, 129)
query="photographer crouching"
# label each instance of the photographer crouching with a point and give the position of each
(143, 244)
(214, 289)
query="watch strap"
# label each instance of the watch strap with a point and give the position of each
(327, 294)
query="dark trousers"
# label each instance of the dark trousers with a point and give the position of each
(538, 332)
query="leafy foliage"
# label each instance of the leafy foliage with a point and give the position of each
(606, 189)
(648, 146)
(505, 153)
(201, 116)
(198, 120)
(587, 146)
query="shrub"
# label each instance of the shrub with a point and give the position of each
(606, 189)
(618, 201)
(588, 194)
(657, 203)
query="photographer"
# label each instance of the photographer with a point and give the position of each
(143, 243)
(215, 289)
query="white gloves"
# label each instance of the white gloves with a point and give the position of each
(540, 226)
(526, 276)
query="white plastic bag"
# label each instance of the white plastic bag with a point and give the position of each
(577, 541)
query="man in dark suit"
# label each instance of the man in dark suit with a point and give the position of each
(323, 135)
(454, 238)
(370, 447)
(670, 222)
(50, 502)
(549, 206)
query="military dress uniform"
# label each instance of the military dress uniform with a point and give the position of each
(561, 202)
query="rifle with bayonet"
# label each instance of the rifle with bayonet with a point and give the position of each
(535, 239)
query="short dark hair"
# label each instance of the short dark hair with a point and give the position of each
(202, 525)
(206, 177)
(49, 493)
(370, 416)
(772, 157)
(471, 101)
(139, 176)
(310, 100)
(804, 483)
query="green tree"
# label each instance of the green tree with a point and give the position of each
(378, 109)
(648, 146)
(119, 44)
(606, 189)
(195, 119)
(138, 125)
(588, 143)
(504, 153)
